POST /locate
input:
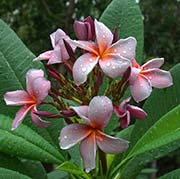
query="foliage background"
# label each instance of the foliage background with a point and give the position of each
(34, 20)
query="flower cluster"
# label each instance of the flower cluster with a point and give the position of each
(102, 56)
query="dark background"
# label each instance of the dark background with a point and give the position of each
(34, 20)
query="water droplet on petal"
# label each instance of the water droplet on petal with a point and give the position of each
(124, 51)
(108, 64)
(65, 137)
(113, 67)
(115, 50)
(91, 60)
(84, 69)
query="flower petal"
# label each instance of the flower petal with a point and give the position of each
(56, 56)
(110, 144)
(103, 35)
(82, 112)
(86, 45)
(31, 75)
(83, 66)
(154, 63)
(57, 36)
(125, 48)
(72, 134)
(40, 87)
(141, 88)
(38, 121)
(44, 56)
(159, 78)
(20, 115)
(125, 120)
(18, 97)
(88, 152)
(100, 111)
(114, 65)
(136, 112)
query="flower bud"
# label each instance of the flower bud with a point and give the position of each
(85, 30)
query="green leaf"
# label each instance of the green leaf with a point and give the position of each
(10, 174)
(26, 143)
(56, 174)
(33, 169)
(127, 17)
(73, 169)
(171, 175)
(162, 133)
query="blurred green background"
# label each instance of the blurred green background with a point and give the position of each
(34, 20)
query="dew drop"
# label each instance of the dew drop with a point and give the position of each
(91, 60)
(104, 36)
(84, 69)
(124, 51)
(113, 67)
(65, 137)
(115, 50)
(108, 64)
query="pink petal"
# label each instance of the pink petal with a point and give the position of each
(20, 115)
(134, 75)
(103, 35)
(87, 45)
(31, 75)
(72, 134)
(125, 120)
(38, 121)
(154, 63)
(136, 112)
(125, 48)
(110, 144)
(17, 98)
(56, 56)
(40, 87)
(141, 88)
(57, 36)
(44, 56)
(159, 78)
(82, 112)
(124, 103)
(100, 111)
(83, 66)
(88, 152)
(114, 65)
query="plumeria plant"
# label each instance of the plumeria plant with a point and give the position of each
(81, 121)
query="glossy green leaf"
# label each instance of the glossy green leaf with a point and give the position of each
(10, 174)
(32, 169)
(25, 143)
(127, 17)
(162, 133)
(171, 175)
(57, 174)
(73, 169)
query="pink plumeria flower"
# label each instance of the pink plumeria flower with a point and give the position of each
(96, 117)
(85, 30)
(59, 52)
(37, 90)
(125, 111)
(113, 59)
(144, 77)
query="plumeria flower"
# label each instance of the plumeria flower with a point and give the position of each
(113, 58)
(85, 30)
(59, 52)
(125, 111)
(96, 116)
(37, 90)
(144, 77)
